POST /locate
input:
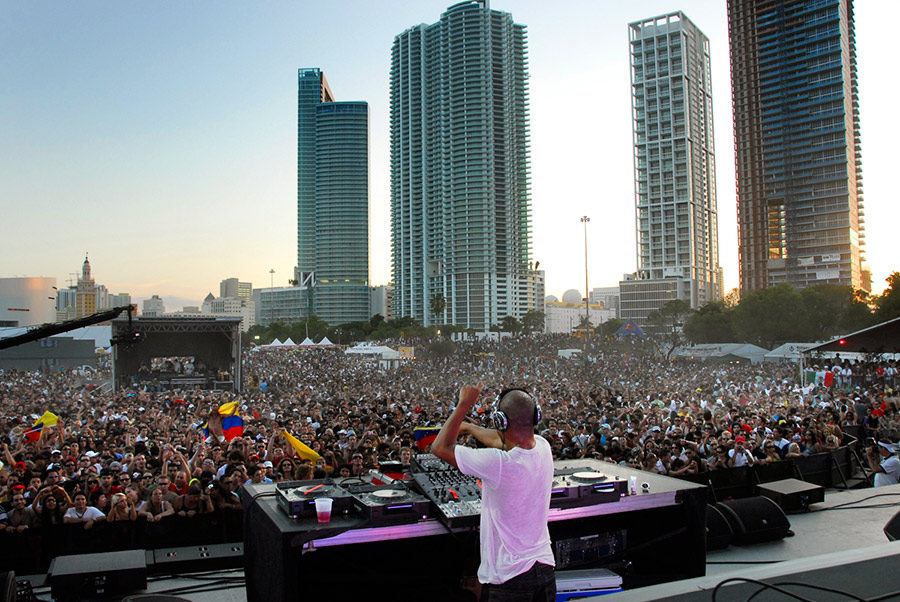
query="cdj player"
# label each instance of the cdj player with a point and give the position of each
(394, 504)
(298, 498)
(577, 487)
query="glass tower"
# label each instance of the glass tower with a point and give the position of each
(797, 146)
(332, 202)
(674, 166)
(460, 191)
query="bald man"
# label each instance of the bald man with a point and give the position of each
(516, 473)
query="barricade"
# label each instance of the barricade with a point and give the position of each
(31, 551)
(829, 469)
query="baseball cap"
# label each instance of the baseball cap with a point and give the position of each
(739, 439)
(891, 447)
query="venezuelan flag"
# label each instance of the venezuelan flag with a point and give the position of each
(232, 423)
(303, 450)
(37, 430)
(425, 436)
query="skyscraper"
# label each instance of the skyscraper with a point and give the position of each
(797, 147)
(460, 192)
(332, 202)
(674, 167)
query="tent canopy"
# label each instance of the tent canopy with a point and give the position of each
(630, 327)
(881, 338)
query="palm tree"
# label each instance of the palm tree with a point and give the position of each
(437, 303)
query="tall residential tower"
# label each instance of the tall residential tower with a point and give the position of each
(460, 191)
(797, 147)
(332, 202)
(674, 166)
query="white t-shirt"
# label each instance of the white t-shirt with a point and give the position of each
(90, 512)
(515, 502)
(742, 459)
(891, 474)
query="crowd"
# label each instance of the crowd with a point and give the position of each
(140, 454)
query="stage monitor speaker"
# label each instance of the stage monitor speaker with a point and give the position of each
(8, 590)
(755, 520)
(90, 576)
(718, 530)
(892, 528)
(793, 495)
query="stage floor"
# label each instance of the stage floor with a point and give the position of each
(824, 529)
(845, 521)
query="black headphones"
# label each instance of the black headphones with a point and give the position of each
(499, 418)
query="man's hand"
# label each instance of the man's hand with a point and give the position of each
(469, 394)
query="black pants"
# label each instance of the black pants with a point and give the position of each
(537, 584)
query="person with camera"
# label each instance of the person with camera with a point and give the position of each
(516, 473)
(886, 466)
(739, 456)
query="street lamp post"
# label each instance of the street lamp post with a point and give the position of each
(271, 296)
(587, 293)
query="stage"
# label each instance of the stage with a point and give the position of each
(840, 543)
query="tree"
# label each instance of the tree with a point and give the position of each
(437, 303)
(533, 321)
(712, 323)
(770, 316)
(669, 322)
(510, 324)
(611, 327)
(888, 304)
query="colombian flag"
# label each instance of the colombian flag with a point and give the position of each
(37, 430)
(232, 423)
(425, 436)
(301, 448)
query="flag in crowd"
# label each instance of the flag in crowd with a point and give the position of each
(232, 423)
(37, 430)
(303, 450)
(425, 436)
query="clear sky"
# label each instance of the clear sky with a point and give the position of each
(160, 137)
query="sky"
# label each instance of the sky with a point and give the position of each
(160, 137)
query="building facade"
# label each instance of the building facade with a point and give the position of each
(232, 287)
(460, 191)
(332, 202)
(382, 301)
(563, 318)
(797, 144)
(153, 307)
(674, 162)
(27, 301)
(608, 297)
(86, 297)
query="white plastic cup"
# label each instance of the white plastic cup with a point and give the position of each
(323, 509)
(633, 485)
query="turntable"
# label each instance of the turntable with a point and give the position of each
(393, 504)
(298, 498)
(574, 488)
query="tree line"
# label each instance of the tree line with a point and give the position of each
(780, 314)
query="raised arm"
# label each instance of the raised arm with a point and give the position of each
(488, 437)
(444, 444)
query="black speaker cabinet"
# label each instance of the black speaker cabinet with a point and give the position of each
(718, 530)
(892, 529)
(755, 520)
(793, 495)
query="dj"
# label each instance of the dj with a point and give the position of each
(516, 473)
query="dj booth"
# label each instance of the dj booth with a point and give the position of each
(419, 536)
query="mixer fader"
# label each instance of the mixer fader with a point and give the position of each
(456, 496)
